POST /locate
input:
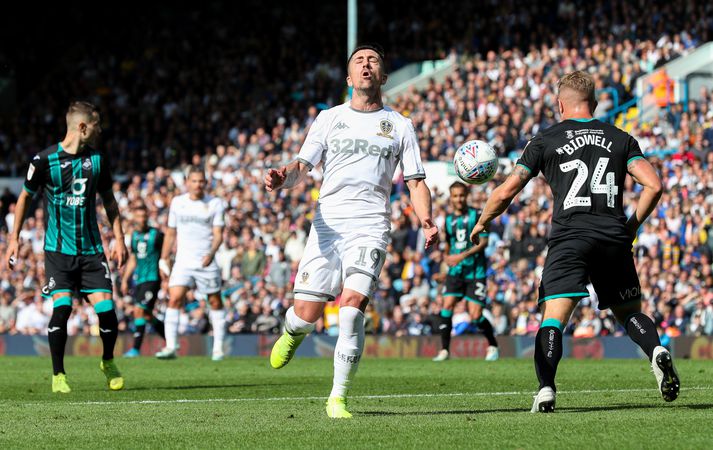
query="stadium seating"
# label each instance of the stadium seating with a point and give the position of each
(240, 105)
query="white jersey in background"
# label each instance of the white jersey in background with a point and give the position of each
(194, 221)
(360, 152)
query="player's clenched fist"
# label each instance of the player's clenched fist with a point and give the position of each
(274, 178)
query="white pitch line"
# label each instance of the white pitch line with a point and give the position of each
(365, 397)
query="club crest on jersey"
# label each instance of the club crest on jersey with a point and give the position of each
(386, 127)
(87, 164)
(304, 277)
(569, 134)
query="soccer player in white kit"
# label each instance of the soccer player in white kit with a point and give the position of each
(359, 145)
(195, 223)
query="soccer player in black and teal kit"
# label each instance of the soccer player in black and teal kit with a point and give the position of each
(71, 173)
(586, 162)
(467, 266)
(146, 243)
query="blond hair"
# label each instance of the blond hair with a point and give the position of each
(581, 83)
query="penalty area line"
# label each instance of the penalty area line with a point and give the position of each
(362, 397)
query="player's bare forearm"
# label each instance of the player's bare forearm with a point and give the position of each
(129, 270)
(21, 206)
(295, 174)
(287, 176)
(648, 200)
(456, 258)
(217, 240)
(502, 196)
(644, 173)
(13, 245)
(112, 213)
(168, 240)
(420, 199)
(500, 199)
(479, 247)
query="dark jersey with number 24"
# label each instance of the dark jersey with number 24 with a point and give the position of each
(584, 162)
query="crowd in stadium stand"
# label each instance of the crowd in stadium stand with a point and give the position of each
(156, 128)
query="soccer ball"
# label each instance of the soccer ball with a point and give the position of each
(475, 162)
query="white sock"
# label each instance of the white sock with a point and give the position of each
(347, 353)
(295, 325)
(170, 323)
(217, 320)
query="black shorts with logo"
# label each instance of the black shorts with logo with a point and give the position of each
(146, 294)
(571, 264)
(85, 274)
(471, 290)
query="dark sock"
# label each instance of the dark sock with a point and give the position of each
(108, 327)
(445, 328)
(140, 325)
(642, 330)
(548, 352)
(57, 335)
(158, 326)
(487, 328)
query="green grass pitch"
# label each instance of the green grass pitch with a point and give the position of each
(243, 403)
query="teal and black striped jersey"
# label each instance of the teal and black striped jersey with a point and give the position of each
(458, 228)
(70, 183)
(146, 246)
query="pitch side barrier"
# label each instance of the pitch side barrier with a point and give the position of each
(375, 347)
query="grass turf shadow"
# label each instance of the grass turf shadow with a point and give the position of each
(571, 409)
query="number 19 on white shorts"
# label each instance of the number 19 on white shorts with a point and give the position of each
(325, 266)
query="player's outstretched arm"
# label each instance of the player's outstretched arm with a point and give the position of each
(500, 199)
(164, 263)
(644, 173)
(421, 201)
(286, 177)
(23, 202)
(119, 252)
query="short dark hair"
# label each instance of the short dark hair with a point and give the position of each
(368, 46)
(140, 207)
(458, 184)
(82, 107)
(194, 169)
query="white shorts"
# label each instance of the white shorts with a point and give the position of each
(206, 280)
(351, 253)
